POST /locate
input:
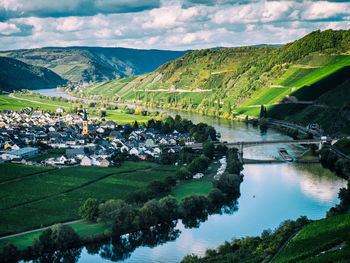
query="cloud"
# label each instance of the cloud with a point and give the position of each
(8, 29)
(63, 8)
(324, 10)
(171, 16)
(69, 24)
(173, 24)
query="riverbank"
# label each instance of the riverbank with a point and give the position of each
(325, 240)
(191, 208)
(259, 207)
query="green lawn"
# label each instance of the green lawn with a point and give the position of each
(11, 171)
(267, 96)
(200, 186)
(84, 229)
(131, 176)
(120, 117)
(317, 237)
(9, 103)
(299, 77)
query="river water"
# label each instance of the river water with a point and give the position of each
(270, 194)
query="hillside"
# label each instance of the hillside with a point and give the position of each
(294, 81)
(16, 75)
(84, 64)
(325, 240)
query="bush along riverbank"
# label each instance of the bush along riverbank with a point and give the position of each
(148, 212)
(252, 249)
(303, 240)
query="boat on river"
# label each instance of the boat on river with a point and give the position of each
(285, 155)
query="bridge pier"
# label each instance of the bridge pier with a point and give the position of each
(240, 152)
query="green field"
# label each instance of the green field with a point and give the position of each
(55, 196)
(118, 182)
(298, 77)
(9, 103)
(120, 117)
(201, 186)
(318, 237)
(12, 171)
(268, 96)
(84, 229)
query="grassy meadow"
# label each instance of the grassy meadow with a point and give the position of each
(55, 196)
(317, 237)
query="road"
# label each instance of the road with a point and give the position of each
(39, 229)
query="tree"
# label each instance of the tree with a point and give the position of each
(263, 112)
(229, 184)
(151, 213)
(199, 164)
(169, 207)
(110, 210)
(208, 149)
(89, 210)
(183, 174)
(193, 205)
(46, 241)
(135, 125)
(64, 236)
(10, 253)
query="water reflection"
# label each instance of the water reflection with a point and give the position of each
(319, 183)
(121, 247)
(67, 256)
(270, 194)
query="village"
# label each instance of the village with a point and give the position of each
(26, 133)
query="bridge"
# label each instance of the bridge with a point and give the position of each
(240, 145)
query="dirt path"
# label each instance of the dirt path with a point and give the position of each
(39, 229)
(283, 246)
(35, 101)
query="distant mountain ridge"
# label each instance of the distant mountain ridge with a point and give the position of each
(85, 64)
(293, 81)
(17, 75)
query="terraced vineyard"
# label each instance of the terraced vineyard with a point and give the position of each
(55, 195)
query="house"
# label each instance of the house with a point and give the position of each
(71, 153)
(104, 163)
(163, 141)
(60, 110)
(134, 151)
(25, 152)
(86, 161)
(100, 130)
(37, 114)
(149, 143)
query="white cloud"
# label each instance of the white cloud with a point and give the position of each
(172, 26)
(324, 10)
(170, 16)
(69, 24)
(8, 29)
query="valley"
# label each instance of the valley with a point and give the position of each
(162, 196)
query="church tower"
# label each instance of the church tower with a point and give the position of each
(85, 124)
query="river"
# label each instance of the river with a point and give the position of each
(270, 194)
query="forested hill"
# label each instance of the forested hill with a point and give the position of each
(84, 64)
(16, 75)
(231, 81)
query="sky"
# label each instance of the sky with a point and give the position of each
(160, 24)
